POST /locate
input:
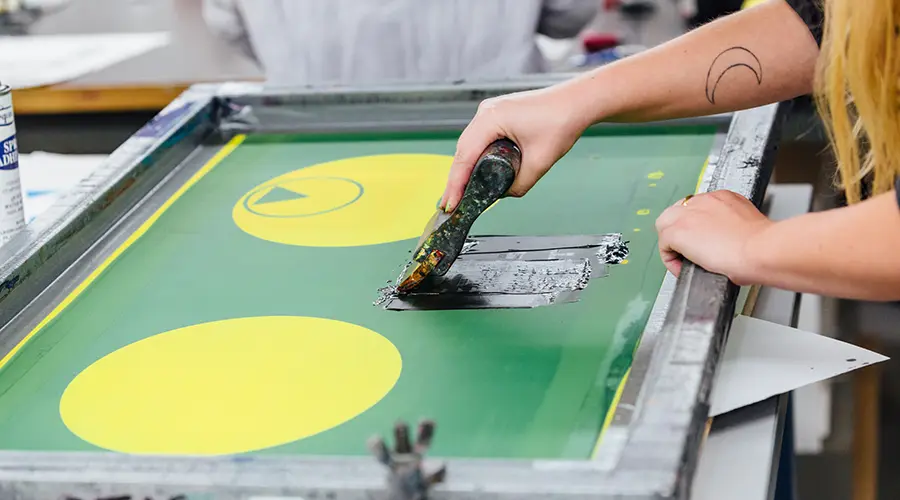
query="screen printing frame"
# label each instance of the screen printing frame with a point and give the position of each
(649, 451)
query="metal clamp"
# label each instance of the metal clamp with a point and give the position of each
(406, 478)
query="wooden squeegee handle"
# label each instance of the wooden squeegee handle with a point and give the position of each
(493, 175)
(504, 158)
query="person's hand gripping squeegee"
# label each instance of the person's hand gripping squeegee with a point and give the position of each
(445, 233)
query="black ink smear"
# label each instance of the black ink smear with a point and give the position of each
(739, 52)
(503, 272)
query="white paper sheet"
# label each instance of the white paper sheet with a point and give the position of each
(33, 61)
(45, 176)
(763, 359)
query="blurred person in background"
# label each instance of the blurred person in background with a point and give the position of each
(360, 42)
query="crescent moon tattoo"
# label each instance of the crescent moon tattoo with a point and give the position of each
(734, 57)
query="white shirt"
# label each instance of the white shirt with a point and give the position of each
(359, 42)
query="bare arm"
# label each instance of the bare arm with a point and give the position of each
(762, 55)
(850, 252)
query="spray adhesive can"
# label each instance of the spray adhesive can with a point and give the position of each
(12, 212)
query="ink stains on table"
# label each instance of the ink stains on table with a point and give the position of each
(504, 272)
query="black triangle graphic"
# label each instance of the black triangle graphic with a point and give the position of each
(279, 194)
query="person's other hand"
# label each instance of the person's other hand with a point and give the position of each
(544, 123)
(714, 231)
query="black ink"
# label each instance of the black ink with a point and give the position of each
(728, 59)
(503, 272)
(851, 360)
(751, 163)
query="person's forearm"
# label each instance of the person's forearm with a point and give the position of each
(762, 55)
(851, 252)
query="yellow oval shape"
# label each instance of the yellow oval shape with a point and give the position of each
(230, 386)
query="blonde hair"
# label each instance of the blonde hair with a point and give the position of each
(856, 92)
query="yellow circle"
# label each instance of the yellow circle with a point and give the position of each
(643, 211)
(624, 262)
(351, 202)
(230, 386)
(656, 175)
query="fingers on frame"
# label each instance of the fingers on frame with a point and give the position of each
(671, 259)
(669, 216)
